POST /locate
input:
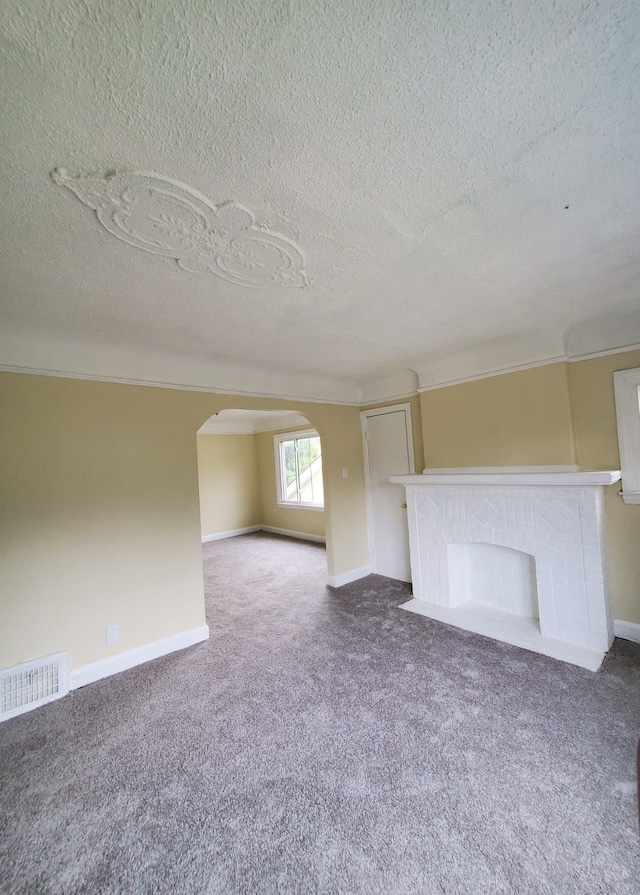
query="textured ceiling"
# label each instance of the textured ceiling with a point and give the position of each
(461, 179)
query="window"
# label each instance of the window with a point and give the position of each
(299, 469)
(627, 389)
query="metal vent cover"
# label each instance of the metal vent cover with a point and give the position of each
(31, 684)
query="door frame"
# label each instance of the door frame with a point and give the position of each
(364, 416)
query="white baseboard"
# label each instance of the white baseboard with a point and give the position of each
(230, 534)
(300, 535)
(626, 630)
(348, 577)
(87, 674)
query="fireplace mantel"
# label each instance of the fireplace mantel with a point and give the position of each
(514, 553)
(478, 476)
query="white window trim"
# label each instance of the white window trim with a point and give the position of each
(277, 440)
(626, 384)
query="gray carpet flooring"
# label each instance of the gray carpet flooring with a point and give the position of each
(324, 741)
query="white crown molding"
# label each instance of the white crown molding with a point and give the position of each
(60, 355)
(283, 395)
(489, 373)
(389, 388)
(241, 393)
(319, 390)
(572, 359)
(559, 359)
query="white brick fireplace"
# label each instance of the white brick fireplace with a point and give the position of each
(515, 555)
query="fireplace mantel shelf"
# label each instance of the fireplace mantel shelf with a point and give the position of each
(541, 479)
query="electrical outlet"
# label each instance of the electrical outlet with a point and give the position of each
(113, 634)
(345, 473)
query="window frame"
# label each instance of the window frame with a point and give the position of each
(626, 385)
(278, 440)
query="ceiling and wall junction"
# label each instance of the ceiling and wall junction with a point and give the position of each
(435, 191)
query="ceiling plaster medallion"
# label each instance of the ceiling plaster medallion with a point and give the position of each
(168, 218)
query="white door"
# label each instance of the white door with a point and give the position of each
(388, 450)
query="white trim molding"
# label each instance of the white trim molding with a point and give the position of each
(538, 479)
(230, 534)
(576, 358)
(440, 382)
(312, 507)
(626, 630)
(287, 532)
(95, 671)
(455, 470)
(348, 577)
(626, 384)
(298, 535)
(278, 439)
(240, 380)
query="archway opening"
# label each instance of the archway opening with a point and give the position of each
(260, 470)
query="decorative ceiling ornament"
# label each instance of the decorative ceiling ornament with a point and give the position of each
(166, 217)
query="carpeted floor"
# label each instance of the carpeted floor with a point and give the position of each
(326, 742)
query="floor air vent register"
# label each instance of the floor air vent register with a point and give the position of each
(27, 686)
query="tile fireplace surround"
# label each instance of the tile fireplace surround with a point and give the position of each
(516, 554)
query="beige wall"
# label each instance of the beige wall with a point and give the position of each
(291, 519)
(556, 414)
(99, 510)
(228, 483)
(99, 520)
(516, 419)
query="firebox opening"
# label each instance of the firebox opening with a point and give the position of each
(495, 576)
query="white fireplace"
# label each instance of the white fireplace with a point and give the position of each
(518, 555)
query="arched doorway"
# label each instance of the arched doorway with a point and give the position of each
(260, 470)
